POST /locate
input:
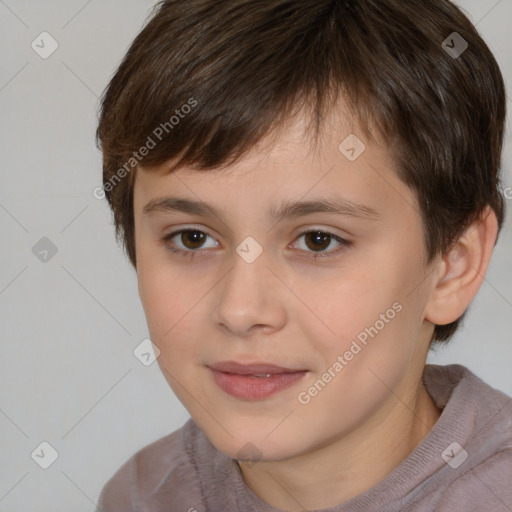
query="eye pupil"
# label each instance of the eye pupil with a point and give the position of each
(192, 239)
(318, 237)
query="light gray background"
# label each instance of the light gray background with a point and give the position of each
(69, 326)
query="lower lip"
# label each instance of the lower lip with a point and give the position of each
(255, 388)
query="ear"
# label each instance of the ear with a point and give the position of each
(462, 271)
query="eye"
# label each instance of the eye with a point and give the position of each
(190, 241)
(318, 241)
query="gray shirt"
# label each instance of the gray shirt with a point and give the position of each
(464, 464)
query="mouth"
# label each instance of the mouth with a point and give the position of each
(254, 381)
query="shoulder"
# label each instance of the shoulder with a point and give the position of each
(486, 486)
(456, 384)
(144, 473)
(484, 477)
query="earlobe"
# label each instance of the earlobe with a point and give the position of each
(462, 271)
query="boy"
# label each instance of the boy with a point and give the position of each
(337, 163)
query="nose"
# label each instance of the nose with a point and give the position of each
(251, 298)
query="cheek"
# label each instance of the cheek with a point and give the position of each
(347, 305)
(170, 298)
(372, 313)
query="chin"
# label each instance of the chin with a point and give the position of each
(252, 440)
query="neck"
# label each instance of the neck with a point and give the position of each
(350, 465)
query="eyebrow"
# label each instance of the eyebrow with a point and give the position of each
(286, 210)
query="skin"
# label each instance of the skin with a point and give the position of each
(294, 311)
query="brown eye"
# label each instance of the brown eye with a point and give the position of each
(192, 239)
(186, 242)
(190, 242)
(317, 240)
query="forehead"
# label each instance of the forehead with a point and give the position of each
(341, 166)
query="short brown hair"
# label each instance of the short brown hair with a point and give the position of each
(248, 65)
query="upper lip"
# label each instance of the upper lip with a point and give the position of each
(251, 369)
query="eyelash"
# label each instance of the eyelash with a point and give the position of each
(344, 244)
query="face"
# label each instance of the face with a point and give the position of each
(335, 298)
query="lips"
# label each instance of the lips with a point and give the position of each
(254, 381)
(251, 369)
